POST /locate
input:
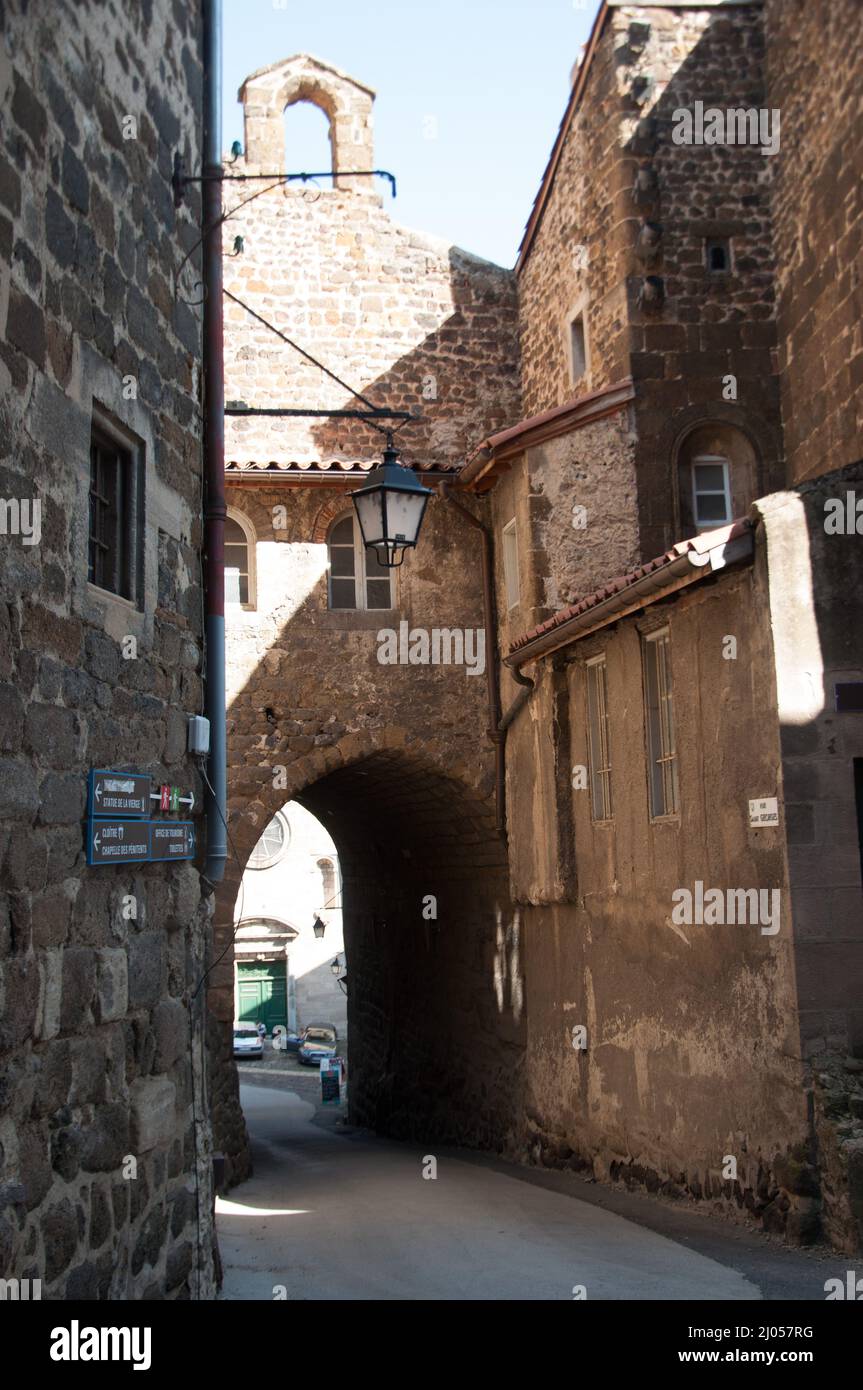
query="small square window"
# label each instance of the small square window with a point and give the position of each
(116, 531)
(717, 255)
(711, 493)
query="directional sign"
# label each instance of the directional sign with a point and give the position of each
(172, 839)
(119, 793)
(118, 841)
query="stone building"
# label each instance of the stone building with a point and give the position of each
(673, 372)
(284, 970)
(687, 665)
(313, 715)
(105, 1153)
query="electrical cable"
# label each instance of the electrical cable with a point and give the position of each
(285, 339)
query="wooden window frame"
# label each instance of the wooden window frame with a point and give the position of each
(248, 530)
(599, 740)
(360, 576)
(115, 549)
(659, 724)
(712, 460)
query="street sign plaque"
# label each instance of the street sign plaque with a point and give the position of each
(172, 839)
(117, 841)
(119, 793)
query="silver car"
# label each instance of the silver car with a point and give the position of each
(246, 1042)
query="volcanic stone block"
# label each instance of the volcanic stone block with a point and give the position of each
(153, 1112)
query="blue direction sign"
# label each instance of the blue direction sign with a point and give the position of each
(119, 793)
(119, 841)
(172, 839)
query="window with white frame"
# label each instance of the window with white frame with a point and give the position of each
(356, 577)
(510, 564)
(659, 719)
(711, 491)
(240, 543)
(598, 740)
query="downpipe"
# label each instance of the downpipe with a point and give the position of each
(214, 446)
(498, 722)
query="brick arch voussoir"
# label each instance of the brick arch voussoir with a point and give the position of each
(326, 515)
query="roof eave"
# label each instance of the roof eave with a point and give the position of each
(678, 574)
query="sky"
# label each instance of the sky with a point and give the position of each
(469, 98)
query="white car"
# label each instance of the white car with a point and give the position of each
(246, 1042)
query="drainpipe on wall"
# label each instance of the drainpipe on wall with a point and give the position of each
(214, 444)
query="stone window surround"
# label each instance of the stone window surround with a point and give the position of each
(578, 307)
(99, 398)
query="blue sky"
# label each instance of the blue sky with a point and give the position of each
(493, 78)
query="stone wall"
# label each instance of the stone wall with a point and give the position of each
(416, 324)
(813, 78)
(691, 1031)
(420, 326)
(606, 242)
(105, 1187)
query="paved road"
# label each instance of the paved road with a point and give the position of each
(350, 1216)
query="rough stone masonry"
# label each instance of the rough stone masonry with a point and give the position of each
(104, 1168)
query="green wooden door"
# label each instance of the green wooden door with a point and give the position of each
(263, 992)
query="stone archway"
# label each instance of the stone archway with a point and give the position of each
(435, 1013)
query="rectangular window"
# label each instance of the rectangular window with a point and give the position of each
(711, 494)
(357, 579)
(510, 564)
(599, 746)
(236, 563)
(717, 255)
(116, 516)
(659, 718)
(578, 347)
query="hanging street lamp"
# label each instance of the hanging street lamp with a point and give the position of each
(390, 508)
(318, 927)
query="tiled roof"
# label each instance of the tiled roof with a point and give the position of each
(698, 546)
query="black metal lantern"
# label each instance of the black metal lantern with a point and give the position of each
(390, 508)
(334, 966)
(318, 927)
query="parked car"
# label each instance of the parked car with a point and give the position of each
(318, 1043)
(247, 1043)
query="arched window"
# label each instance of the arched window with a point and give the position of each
(273, 844)
(329, 888)
(239, 560)
(717, 477)
(356, 577)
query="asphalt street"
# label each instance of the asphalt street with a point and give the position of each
(332, 1213)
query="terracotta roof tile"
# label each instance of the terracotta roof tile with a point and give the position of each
(701, 544)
